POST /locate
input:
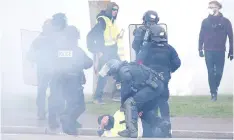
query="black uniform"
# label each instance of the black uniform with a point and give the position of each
(69, 65)
(161, 57)
(140, 87)
(40, 53)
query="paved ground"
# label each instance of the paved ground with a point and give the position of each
(44, 137)
(14, 117)
(13, 114)
(60, 137)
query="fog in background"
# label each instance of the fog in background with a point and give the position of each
(183, 18)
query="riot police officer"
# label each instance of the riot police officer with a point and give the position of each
(110, 125)
(40, 54)
(149, 18)
(139, 86)
(55, 101)
(158, 55)
(69, 66)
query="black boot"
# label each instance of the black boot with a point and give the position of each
(68, 125)
(52, 121)
(166, 129)
(131, 116)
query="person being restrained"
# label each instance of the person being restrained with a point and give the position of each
(140, 89)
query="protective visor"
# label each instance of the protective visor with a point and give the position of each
(104, 70)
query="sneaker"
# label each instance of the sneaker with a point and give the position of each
(116, 99)
(100, 102)
(56, 131)
(69, 130)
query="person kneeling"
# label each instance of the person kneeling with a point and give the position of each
(109, 126)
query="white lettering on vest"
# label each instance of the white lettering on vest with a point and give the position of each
(65, 53)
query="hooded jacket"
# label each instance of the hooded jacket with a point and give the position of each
(214, 32)
(97, 32)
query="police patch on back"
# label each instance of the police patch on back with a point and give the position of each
(65, 53)
(65, 61)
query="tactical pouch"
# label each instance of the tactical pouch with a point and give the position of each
(153, 77)
(152, 81)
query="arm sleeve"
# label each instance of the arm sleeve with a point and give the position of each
(126, 79)
(175, 60)
(87, 62)
(138, 39)
(95, 38)
(230, 36)
(201, 37)
(142, 55)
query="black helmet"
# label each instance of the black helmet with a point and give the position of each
(46, 28)
(110, 68)
(158, 33)
(150, 16)
(72, 32)
(59, 20)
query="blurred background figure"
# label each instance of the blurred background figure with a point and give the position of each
(56, 102)
(40, 54)
(68, 76)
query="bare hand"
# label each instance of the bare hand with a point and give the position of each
(99, 54)
(104, 121)
(121, 34)
(140, 114)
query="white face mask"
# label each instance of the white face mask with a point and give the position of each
(211, 12)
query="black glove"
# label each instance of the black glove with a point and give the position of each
(230, 56)
(201, 53)
(121, 108)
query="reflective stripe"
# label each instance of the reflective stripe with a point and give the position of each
(119, 116)
(110, 33)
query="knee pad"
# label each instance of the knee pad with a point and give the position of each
(129, 101)
(131, 109)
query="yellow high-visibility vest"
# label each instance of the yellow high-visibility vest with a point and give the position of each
(119, 116)
(110, 35)
(111, 32)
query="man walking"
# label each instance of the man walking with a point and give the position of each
(213, 35)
